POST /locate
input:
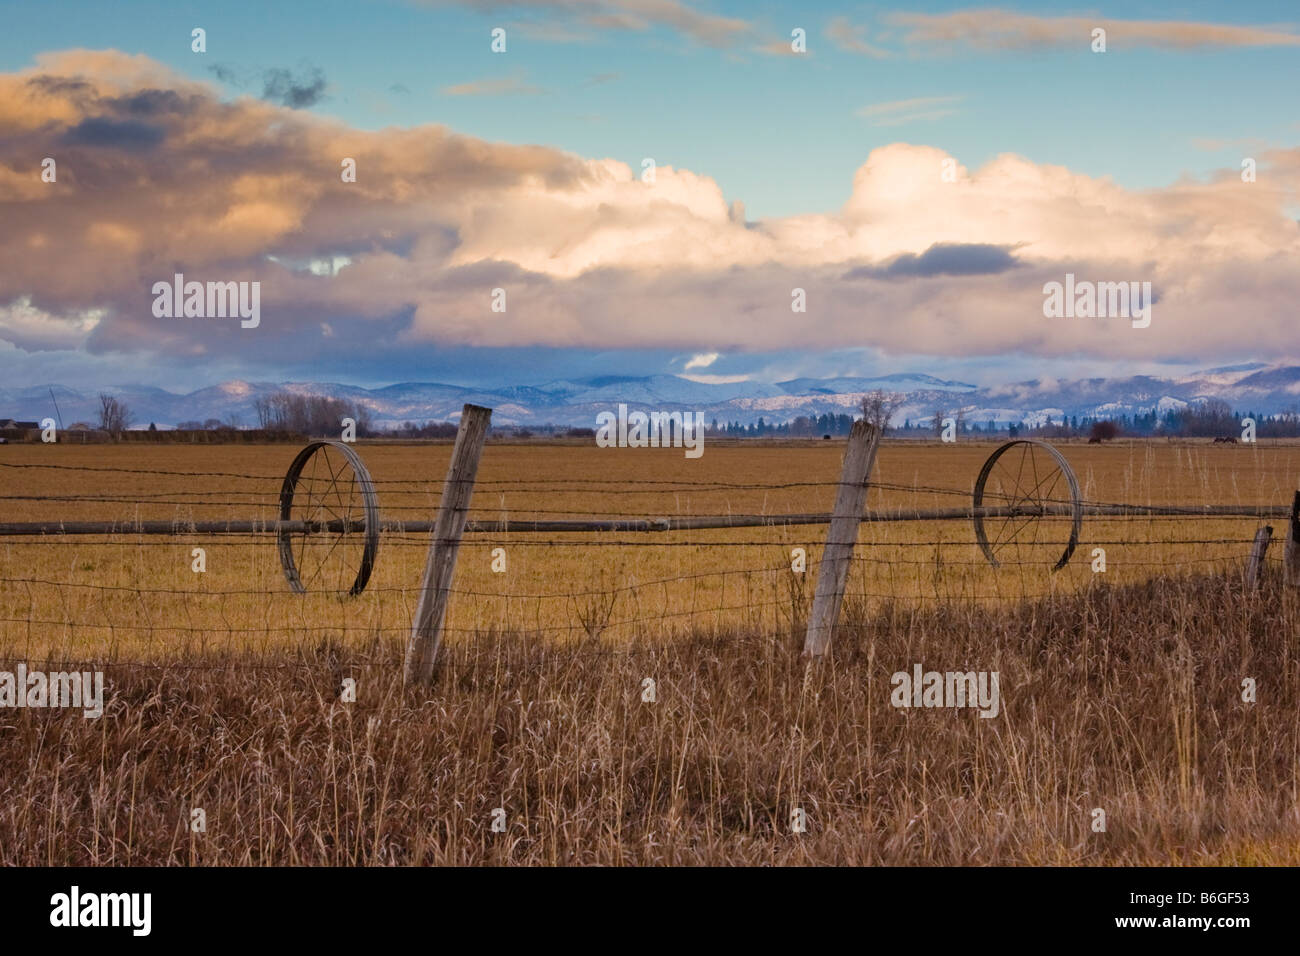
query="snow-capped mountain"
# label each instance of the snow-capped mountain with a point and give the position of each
(1263, 389)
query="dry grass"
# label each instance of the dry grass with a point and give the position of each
(1126, 699)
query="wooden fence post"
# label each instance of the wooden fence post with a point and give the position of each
(837, 556)
(426, 629)
(1291, 553)
(1262, 538)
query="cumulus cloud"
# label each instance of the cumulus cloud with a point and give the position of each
(589, 255)
(34, 330)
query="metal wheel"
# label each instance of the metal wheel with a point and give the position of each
(1027, 497)
(329, 497)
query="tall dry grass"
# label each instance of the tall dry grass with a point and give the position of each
(1124, 698)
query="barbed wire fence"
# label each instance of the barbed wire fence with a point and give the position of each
(856, 566)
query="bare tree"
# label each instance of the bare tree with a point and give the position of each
(313, 414)
(114, 416)
(879, 406)
(937, 422)
(364, 418)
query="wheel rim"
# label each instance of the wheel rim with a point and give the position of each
(1032, 482)
(329, 490)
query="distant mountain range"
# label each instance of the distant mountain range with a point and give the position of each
(1264, 389)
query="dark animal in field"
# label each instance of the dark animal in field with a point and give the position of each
(1094, 441)
(1229, 440)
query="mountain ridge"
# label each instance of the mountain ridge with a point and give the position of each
(1258, 387)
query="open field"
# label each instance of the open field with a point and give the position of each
(136, 596)
(1120, 692)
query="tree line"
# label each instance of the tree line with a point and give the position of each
(282, 411)
(311, 414)
(319, 415)
(1209, 418)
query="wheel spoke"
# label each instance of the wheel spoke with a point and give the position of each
(325, 496)
(325, 559)
(311, 491)
(1047, 497)
(1020, 472)
(334, 485)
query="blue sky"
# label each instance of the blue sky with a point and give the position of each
(783, 135)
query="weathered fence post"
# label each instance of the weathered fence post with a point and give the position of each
(1291, 553)
(1262, 538)
(837, 556)
(426, 629)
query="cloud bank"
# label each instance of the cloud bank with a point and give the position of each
(157, 175)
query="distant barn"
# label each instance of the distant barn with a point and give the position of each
(13, 429)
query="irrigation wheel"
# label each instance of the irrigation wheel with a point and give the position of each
(1029, 525)
(329, 491)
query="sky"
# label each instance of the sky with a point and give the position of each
(919, 171)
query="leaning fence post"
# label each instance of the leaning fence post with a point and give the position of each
(833, 573)
(1291, 553)
(1262, 538)
(426, 629)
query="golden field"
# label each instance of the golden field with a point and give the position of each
(1120, 692)
(132, 596)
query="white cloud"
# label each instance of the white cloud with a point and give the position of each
(35, 330)
(703, 360)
